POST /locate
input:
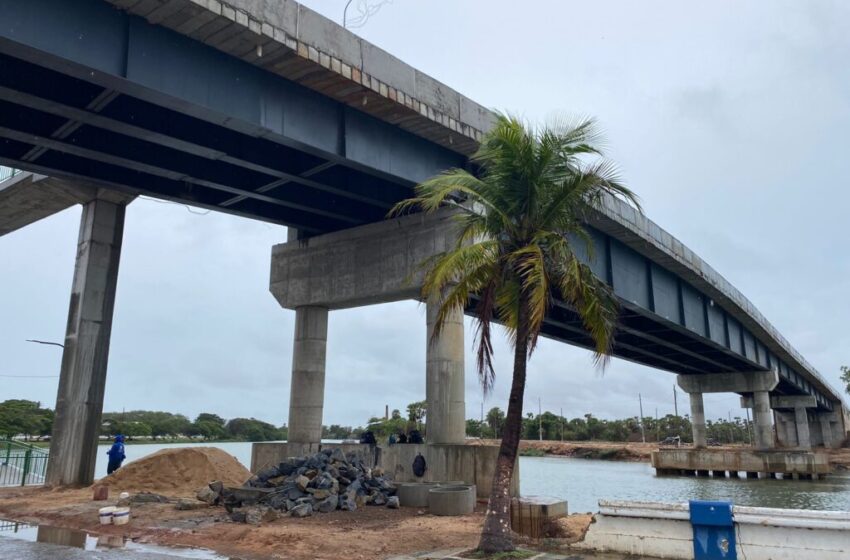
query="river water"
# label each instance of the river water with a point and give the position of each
(582, 482)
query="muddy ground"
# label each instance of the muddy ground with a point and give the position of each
(365, 534)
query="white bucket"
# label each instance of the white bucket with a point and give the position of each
(121, 516)
(105, 514)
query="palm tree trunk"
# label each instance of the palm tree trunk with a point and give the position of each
(496, 534)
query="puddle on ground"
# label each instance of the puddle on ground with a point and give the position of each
(81, 539)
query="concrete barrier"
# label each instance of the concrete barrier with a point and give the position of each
(790, 463)
(414, 494)
(471, 464)
(451, 500)
(664, 531)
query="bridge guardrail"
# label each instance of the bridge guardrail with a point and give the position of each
(7, 173)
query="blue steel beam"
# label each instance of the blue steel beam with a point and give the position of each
(103, 46)
(653, 291)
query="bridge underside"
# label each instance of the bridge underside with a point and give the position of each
(108, 104)
(664, 323)
(89, 92)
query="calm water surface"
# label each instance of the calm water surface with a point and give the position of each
(583, 482)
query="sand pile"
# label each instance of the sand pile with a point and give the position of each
(177, 472)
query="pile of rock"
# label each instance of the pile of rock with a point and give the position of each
(301, 486)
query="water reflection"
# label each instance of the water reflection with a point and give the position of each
(583, 482)
(80, 539)
(63, 537)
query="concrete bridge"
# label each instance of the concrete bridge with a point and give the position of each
(267, 110)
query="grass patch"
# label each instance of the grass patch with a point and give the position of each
(512, 555)
(532, 452)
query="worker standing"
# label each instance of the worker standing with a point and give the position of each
(116, 455)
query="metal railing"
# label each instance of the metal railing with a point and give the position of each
(14, 526)
(7, 173)
(22, 464)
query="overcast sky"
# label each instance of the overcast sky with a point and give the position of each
(730, 120)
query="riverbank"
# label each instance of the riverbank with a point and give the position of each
(627, 451)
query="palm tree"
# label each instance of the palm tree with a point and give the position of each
(518, 218)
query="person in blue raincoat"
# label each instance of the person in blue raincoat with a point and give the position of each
(116, 455)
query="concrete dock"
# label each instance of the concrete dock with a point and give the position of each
(794, 464)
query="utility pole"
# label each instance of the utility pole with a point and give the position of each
(675, 402)
(657, 426)
(540, 420)
(562, 423)
(481, 428)
(731, 433)
(749, 433)
(642, 432)
(386, 412)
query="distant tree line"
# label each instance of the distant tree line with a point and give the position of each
(207, 426)
(397, 423)
(553, 427)
(28, 419)
(24, 418)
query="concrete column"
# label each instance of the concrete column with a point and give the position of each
(444, 373)
(801, 419)
(826, 430)
(698, 419)
(307, 391)
(784, 436)
(761, 420)
(82, 378)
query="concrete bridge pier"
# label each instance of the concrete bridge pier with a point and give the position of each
(82, 378)
(444, 374)
(307, 388)
(791, 415)
(827, 429)
(758, 383)
(801, 422)
(698, 419)
(762, 420)
(378, 263)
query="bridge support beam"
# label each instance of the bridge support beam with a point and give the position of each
(82, 378)
(762, 424)
(801, 422)
(792, 418)
(759, 383)
(827, 429)
(307, 388)
(444, 374)
(698, 419)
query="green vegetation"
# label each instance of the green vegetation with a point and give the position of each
(522, 234)
(845, 377)
(590, 428)
(518, 554)
(531, 452)
(27, 418)
(397, 424)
